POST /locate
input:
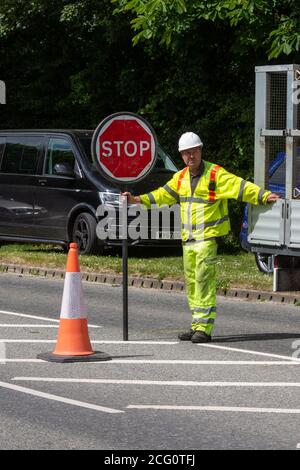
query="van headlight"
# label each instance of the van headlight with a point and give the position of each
(110, 199)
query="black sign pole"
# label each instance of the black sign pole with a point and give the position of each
(125, 265)
(111, 153)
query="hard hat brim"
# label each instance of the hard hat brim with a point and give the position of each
(180, 149)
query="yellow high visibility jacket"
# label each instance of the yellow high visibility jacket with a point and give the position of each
(204, 214)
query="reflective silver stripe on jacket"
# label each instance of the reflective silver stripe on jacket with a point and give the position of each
(171, 192)
(260, 196)
(196, 199)
(189, 219)
(151, 198)
(241, 191)
(206, 224)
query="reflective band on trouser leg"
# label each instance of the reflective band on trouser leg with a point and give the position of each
(200, 278)
(204, 321)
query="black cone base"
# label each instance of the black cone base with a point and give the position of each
(97, 356)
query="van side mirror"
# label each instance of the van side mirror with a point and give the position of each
(63, 169)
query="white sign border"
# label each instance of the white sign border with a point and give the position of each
(103, 126)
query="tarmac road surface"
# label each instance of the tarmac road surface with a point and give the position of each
(239, 392)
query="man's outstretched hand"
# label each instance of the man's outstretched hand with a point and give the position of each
(130, 198)
(273, 197)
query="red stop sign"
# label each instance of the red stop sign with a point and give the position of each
(124, 147)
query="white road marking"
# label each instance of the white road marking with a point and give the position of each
(27, 340)
(92, 341)
(177, 383)
(49, 396)
(248, 351)
(183, 361)
(36, 317)
(173, 362)
(21, 360)
(25, 325)
(239, 409)
(25, 315)
(135, 342)
(2, 352)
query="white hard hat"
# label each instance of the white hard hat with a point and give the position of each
(189, 140)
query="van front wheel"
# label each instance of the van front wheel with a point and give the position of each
(84, 233)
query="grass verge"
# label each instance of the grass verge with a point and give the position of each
(237, 270)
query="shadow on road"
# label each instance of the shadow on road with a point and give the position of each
(132, 355)
(255, 337)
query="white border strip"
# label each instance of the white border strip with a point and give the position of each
(67, 401)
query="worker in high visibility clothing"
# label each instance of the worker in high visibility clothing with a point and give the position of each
(202, 189)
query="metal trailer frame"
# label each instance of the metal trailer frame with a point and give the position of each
(275, 229)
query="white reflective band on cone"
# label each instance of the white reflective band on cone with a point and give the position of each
(72, 305)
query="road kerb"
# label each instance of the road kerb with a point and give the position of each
(167, 285)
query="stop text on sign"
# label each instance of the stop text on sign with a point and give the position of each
(129, 148)
(124, 147)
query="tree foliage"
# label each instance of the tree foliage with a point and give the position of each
(275, 23)
(67, 63)
(71, 63)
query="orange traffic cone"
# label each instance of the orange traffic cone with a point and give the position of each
(73, 342)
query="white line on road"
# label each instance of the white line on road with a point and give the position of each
(177, 383)
(25, 325)
(36, 317)
(183, 361)
(2, 352)
(27, 340)
(135, 342)
(248, 351)
(49, 396)
(216, 408)
(20, 360)
(92, 341)
(173, 362)
(25, 315)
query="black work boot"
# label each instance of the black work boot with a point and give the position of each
(200, 337)
(186, 335)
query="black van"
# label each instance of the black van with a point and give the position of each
(50, 189)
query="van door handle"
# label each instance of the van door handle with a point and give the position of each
(42, 182)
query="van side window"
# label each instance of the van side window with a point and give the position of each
(59, 151)
(21, 155)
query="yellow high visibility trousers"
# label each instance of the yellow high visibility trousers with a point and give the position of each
(199, 259)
